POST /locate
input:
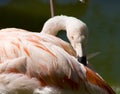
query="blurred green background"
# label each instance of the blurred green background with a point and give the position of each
(101, 16)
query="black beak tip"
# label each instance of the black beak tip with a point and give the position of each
(82, 60)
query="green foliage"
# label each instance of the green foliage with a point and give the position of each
(31, 14)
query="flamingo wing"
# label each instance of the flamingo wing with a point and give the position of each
(43, 67)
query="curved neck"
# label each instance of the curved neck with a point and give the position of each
(76, 31)
(54, 25)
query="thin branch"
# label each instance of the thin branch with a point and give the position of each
(52, 8)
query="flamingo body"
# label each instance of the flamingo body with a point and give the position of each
(32, 63)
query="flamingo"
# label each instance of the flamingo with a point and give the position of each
(33, 63)
(76, 33)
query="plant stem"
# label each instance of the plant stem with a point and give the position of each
(52, 8)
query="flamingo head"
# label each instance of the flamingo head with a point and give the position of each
(77, 35)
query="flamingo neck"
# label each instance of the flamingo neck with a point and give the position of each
(54, 25)
(76, 32)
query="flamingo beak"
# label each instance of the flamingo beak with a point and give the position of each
(82, 60)
(81, 56)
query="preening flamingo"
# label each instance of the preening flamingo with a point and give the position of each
(76, 33)
(33, 63)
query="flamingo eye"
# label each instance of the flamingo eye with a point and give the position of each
(72, 37)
